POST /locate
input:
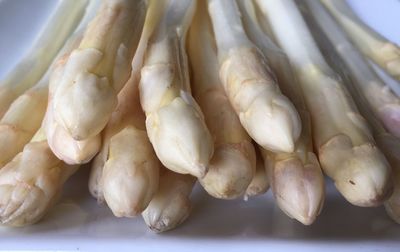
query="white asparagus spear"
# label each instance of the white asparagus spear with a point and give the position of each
(131, 170)
(385, 53)
(383, 102)
(232, 166)
(303, 197)
(174, 122)
(31, 183)
(26, 113)
(389, 144)
(260, 182)
(95, 72)
(346, 149)
(267, 115)
(171, 204)
(32, 67)
(60, 141)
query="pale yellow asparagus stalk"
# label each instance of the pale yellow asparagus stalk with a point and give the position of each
(232, 166)
(382, 101)
(346, 149)
(303, 197)
(383, 52)
(171, 204)
(174, 122)
(260, 182)
(31, 183)
(96, 71)
(60, 141)
(267, 115)
(389, 144)
(33, 66)
(25, 115)
(131, 169)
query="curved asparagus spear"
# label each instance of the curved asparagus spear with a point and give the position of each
(303, 197)
(171, 205)
(232, 166)
(267, 115)
(389, 144)
(130, 174)
(95, 72)
(260, 182)
(33, 66)
(372, 44)
(382, 101)
(346, 149)
(31, 183)
(174, 122)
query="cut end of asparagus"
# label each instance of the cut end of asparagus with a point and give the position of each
(180, 138)
(299, 187)
(29, 185)
(96, 172)
(390, 115)
(361, 173)
(131, 173)
(84, 107)
(230, 171)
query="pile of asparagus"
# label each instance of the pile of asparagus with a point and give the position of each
(239, 95)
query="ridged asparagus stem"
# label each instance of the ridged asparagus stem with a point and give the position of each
(303, 197)
(260, 182)
(32, 67)
(346, 149)
(372, 44)
(232, 166)
(171, 205)
(95, 72)
(131, 169)
(267, 115)
(174, 122)
(383, 102)
(389, 144)
(31, 183)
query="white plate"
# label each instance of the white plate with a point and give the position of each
(78, 223)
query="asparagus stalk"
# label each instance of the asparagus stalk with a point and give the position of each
(25, 115)
(232, 166)
(389, 144)
(383, 102)
(267, 115)
(303, 197)
(346, 149)
(62, 144)
(260, 182)
(31, 183)
(174, 122)
(33, 66)
(130, 173)
(171, 205)
(96, 71)
(385, 53)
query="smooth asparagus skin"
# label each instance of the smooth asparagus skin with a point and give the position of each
(172, 115)
(383, 52)
(267, 115)
(346, 149)
(232, 166)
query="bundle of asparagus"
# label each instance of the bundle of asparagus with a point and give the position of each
(121, 86)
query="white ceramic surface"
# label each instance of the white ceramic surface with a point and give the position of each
(78, 223)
